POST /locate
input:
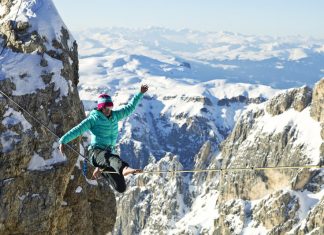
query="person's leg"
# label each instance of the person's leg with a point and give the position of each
(97, 157)
(115, 180)
(119, 165)
(116, 163)
(127, 170)
(111, 163)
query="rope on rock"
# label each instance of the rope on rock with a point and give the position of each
(231, 169)
(238, 169)
(41, 123)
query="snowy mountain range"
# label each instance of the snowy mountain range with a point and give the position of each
(202, 56)
(177, 99)
(194, 103)
(215, 100)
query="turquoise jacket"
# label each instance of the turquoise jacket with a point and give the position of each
(104, 130)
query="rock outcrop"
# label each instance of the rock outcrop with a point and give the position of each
(317, 110)
(295, 98)
(317, 107)
(276, 134)
(41, 192)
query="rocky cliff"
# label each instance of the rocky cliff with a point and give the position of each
(284, 131)
(42, 192)
(281, 133)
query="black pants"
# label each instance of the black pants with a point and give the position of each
(104, 159)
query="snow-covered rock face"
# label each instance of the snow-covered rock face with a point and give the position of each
(279, 132)
(39, 71)
(317, 110)
(40, 38)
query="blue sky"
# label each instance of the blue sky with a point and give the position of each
(259, 17)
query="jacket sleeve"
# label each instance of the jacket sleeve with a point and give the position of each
(76, 131)
(129, 108)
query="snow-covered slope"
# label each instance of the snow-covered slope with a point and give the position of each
(178, 105)
(201, 56)
(173, 110)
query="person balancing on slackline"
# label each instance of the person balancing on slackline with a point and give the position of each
(103, 125)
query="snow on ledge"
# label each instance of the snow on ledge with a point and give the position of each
(38, 163)
(78, 189)
(307, 129)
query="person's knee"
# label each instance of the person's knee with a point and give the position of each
(121, 188)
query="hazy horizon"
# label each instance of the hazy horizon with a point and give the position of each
(252, 17)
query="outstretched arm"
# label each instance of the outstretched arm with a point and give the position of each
(130, 107)
(76, 131)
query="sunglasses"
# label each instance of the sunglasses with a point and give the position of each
(107, 108)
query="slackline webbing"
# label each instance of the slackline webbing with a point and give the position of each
(231, 169)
